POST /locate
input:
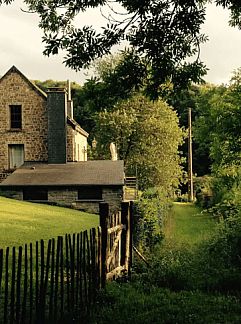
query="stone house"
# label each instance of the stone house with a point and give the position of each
(43, 150)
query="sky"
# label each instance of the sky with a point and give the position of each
(21, 45)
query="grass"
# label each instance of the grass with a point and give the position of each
(167, 292)
(143, 304)
(188, 224)
(23, 222)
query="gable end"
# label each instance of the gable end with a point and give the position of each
(32, 85)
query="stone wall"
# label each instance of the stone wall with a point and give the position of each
(113, 196)
(70, 144)
(63, 196)
(15, 90)
(12, 193)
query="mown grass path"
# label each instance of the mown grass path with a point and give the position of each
(188, 224)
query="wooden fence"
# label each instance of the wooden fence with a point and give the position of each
(54, 281)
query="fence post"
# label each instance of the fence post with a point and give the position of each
(104, 214)
(125, 239)
(1, 270)
(131, 216)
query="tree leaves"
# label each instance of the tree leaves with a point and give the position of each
(147, 137)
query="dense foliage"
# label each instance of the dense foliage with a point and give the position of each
(151, 212)
(147, 137)
(165, 33)
(217, 130)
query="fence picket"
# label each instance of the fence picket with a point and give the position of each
(18, 294)
(62, 278)
(88, 260)
(12, 302)
(99, 257)
(77, 269)
(40, 318)
(81, 269)
(56, 280)
(31, 283)
(72, 266)
(36, 280)
(51, 293)
(104, 214)
(67, 270)
(46, 279)
(1, 271)
(25, 287)
(6, 287)
(85, 292)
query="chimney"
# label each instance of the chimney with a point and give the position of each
(57, 125)
(113, 152)
(70, 110)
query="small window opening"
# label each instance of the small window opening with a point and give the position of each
(35, 194)
(16, 116)
(90, 193)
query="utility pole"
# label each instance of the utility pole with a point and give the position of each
(190, 176)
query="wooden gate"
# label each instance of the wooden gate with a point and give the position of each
(116, 237)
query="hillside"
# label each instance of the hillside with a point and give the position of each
(23, 222)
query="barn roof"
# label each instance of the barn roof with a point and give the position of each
(99, 172)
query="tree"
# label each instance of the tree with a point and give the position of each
(166, 34)
(116, 77)
(217, 128)
(147, 137)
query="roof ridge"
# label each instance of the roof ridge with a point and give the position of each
(13, 69)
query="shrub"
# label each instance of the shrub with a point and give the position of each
(214, 265)
(150, 213)
(220, 262)
(204, 191)
(227, 192)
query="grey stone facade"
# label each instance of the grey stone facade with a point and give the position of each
(46, 134)
(68, 197)
(113, 195)
(43, 156)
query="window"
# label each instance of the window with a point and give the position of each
(32, 193)
(15, 116)
(90, 193)
(15, 155)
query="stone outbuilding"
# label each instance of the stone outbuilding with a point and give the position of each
(43, 150)
(82, 185)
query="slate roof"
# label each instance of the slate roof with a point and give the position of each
(102, 172)
(76, 126)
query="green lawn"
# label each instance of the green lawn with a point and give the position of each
(23, 222)
(188, 225)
